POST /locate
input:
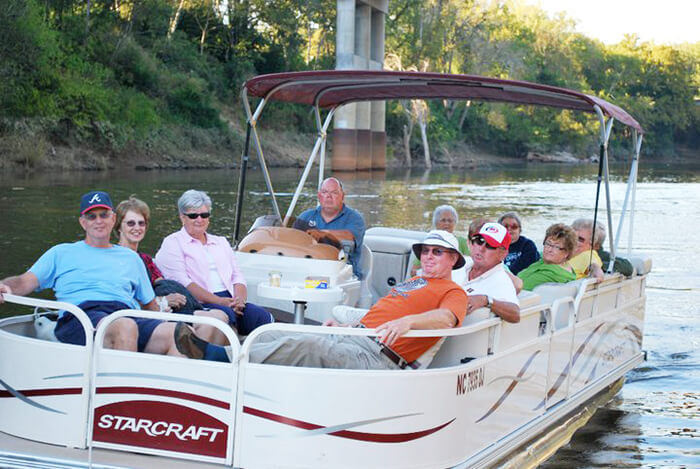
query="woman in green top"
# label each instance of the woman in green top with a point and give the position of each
(445, 218)
(559, 244)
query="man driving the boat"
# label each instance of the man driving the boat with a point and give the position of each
(334, 222)
(486, 281)
(429, 301)
(100, 278)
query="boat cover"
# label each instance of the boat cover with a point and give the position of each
(330, 88)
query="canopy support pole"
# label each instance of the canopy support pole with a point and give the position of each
(603, 169)
(241, 187)
(322, 158)
(252, 123)
(637, 150)
(631, 190)
(320, 143)
(608, 199)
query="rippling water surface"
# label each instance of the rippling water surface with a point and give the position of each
(653, 422)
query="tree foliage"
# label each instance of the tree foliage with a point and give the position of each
(111, 72)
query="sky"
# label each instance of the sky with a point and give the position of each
(661, 21)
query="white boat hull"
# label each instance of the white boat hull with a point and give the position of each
(519, 381)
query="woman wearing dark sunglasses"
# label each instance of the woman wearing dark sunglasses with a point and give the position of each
(206, 265)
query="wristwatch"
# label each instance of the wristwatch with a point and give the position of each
(489, 301)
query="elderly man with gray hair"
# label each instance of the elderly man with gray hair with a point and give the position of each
(206, 265)
(334, 222)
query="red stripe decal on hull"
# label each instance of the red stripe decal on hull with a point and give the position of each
(43, 392)
(163, 392)
(352, 435)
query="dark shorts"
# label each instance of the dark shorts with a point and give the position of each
(253, 315)
(69, 329)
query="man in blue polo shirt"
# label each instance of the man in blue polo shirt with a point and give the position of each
(100, 278)
(333, 220)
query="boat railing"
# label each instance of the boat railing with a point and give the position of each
(57, 357)
(211, 383)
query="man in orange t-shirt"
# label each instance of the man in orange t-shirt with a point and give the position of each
(430, 301)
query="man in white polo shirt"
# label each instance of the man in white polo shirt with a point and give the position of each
(486, 282)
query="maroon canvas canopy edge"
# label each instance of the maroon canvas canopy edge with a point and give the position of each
(332, 88)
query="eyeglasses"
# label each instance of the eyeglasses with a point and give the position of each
(451, 221)
(194, 216)
(511, 227)
(554, 246)
(132, 223)
(480, 241)
(437, 252)
(91, 216)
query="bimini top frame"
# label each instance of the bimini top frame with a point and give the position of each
(329, 89)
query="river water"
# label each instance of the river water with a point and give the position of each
(653, 422)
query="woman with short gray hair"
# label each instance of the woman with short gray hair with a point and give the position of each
(207, 266)
(445, 218)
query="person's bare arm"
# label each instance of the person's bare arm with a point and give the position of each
(441, 318)
(337, 235)
(19, 285)
(517, 281)
(509, 312)
(151, 305)
(240, 297)
(597, 272)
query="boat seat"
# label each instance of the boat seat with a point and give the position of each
(641, 264)
(527, 299)
(391, 250)
(368, 294)
(463, 348)
(551, 291)
(280, 241)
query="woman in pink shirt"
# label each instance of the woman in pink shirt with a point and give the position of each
(206, 265)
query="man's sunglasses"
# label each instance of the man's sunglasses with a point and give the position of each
(480, 241)
(132, 223)
(437, 252)
(90, 216)
(193, 216)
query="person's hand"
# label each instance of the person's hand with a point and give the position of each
(392, 330)
(238, 305)
(176, 300)
(331, 323)
(4, 289)
(476, 302)
(315, 234)
(162, 304)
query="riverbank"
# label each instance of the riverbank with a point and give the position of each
(182, 148)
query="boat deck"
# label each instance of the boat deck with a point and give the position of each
(21, 453)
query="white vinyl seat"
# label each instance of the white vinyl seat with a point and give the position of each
(368, 295)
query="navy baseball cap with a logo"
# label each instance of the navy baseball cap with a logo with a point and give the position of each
(95, 199)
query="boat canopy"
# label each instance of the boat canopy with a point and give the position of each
(332, 88)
